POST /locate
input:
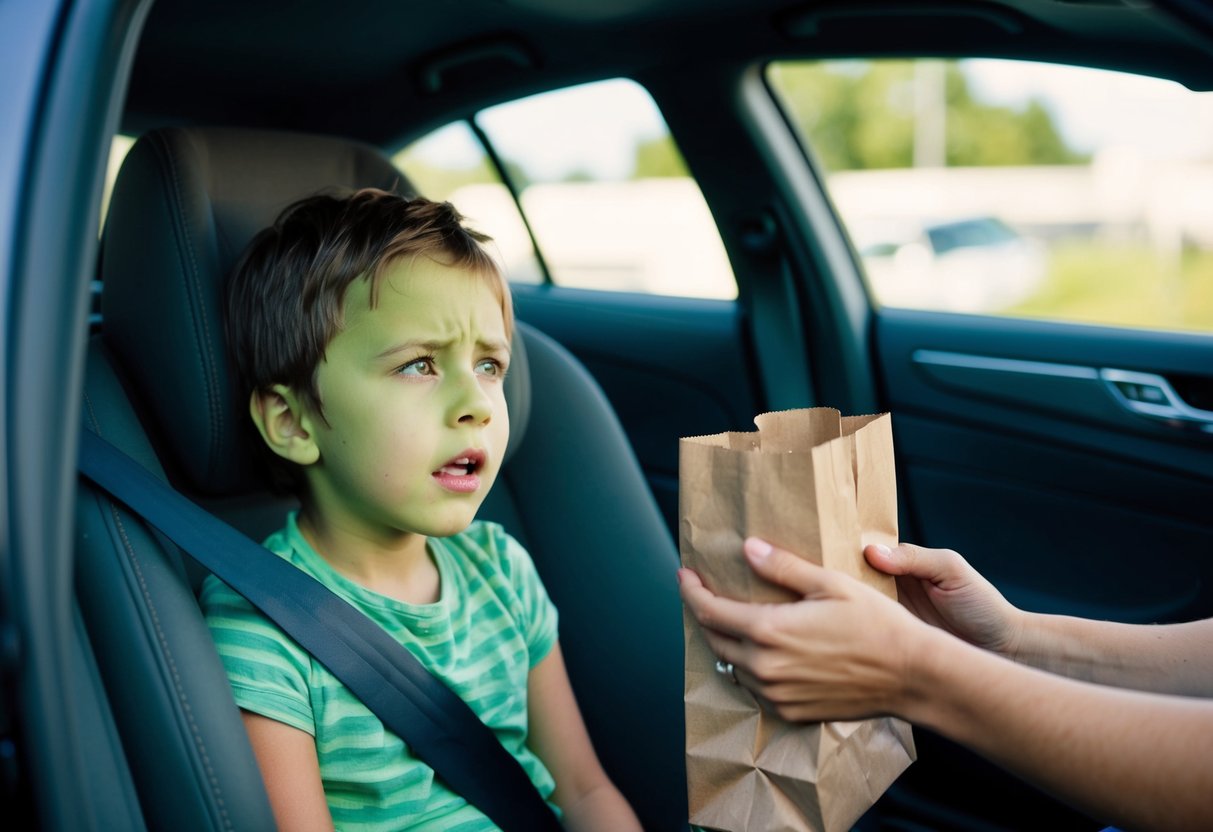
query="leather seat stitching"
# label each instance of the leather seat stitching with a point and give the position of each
(197, 307)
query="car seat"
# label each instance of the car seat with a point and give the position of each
(186, 202)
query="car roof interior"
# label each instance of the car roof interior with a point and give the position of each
(387, 71)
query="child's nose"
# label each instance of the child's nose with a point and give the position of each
(477, 416)
(472, 404)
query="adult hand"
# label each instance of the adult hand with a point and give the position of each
(941, 588)
(844, 652)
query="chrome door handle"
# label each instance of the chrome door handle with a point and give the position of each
(1153, 396)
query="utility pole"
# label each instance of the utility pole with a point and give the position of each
(930, 115)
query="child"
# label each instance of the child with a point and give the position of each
(373, 335)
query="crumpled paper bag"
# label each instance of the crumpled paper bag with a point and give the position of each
(822, 486)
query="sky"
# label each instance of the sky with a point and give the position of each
(594, 128)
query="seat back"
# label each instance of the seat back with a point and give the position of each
(159, 385)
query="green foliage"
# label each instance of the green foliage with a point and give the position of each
(1125, 285)
(659, 157)
(859, 115)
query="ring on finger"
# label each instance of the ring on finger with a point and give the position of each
(726, 669)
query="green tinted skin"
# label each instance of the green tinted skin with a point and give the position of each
(409, 385)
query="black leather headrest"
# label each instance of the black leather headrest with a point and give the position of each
(185, 204)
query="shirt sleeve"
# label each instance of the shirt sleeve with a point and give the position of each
(267, 670)
(538, 614)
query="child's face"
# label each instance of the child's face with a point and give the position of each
(412, 391)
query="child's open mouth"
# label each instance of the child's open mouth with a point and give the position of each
(459, 474)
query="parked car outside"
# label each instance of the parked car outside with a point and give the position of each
(972, 264)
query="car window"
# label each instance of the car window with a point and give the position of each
(1016, 188)
(601, 183)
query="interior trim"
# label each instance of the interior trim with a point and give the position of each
(1003, 365)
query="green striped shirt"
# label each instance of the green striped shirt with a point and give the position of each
(492, 624)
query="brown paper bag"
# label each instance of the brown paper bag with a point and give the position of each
(822, 486)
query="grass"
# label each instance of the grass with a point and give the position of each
(1125, 285)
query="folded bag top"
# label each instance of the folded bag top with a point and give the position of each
(809, 480)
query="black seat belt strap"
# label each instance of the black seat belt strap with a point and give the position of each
(437, 725)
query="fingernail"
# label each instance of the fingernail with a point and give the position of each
(883, 549)
(757, 549)
(679, 573)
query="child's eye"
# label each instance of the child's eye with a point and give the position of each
(490, 367)
(423, 366)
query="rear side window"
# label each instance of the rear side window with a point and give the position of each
(584, 187)
(1020, 189)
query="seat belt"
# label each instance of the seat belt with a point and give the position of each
(437, 725)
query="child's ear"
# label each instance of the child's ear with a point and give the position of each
(284, 423)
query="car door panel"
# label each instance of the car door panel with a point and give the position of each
(671, 367)
(1016, 450)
